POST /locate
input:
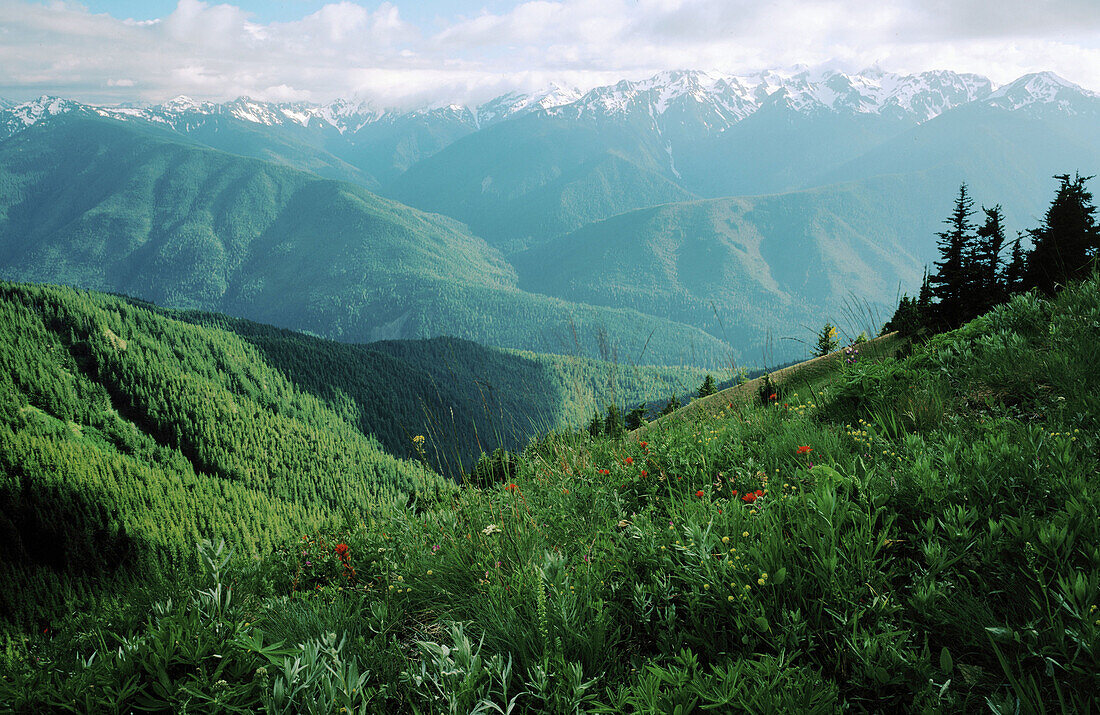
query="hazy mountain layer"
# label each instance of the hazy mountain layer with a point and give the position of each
(127, 208)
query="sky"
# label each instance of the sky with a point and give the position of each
(405, 53)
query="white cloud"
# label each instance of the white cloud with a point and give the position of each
(218, 51)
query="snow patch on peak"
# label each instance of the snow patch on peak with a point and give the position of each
(1041, 88)
(28, 113)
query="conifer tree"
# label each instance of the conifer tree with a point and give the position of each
(991, 237)
(1015, 270)
(950, 284)
(635, 417)
(707, 388)
(673, 405)
(827, 340)
(613, 424)
(1066, 243)
(595, 427)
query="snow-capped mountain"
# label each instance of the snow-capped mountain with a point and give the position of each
(724, 100)
(716, 100)
(1044, 89)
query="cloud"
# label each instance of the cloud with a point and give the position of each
(219, 51)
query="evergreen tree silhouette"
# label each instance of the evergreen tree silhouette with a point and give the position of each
(951, 282)
(1015, 270)
(1067, 241)
(988, 288)
(707, 388)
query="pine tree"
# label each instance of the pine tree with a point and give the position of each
(613, 424)
(989, 290)
(950, 284)
(1066, 243)
(673, 405)
(635, 417)
(827, 340)
(595, 427)
(1015, 271)
(707, 388)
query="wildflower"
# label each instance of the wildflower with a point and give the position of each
(759, 492)
(699, 493)
(628, 460)
(805, 450)
(745, 534)
(643, 445)
(436, 547)
(429, 572)
(749, 498)
(605, 471)
(773, 396)
(511, 488)
(342, 550)
(644, 473)
(418, 440)
(491, 529)
(725, 539)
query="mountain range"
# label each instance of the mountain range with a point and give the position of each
(689, 217)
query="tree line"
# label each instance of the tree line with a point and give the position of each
(979, 268)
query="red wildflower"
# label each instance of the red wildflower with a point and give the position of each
(773, 396)
(735, 492)
(759, 492)
(605, 471)
(628, 460)
(645, 473)
(643, 445)
(342, 550)
(511, 488)
(749, 498)
(699, 493)
(805, 450)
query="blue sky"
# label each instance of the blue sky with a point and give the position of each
(402, 53)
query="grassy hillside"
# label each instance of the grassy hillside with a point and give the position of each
(914, 535)
(131, 209)
(750, 269)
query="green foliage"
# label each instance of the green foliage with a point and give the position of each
(671, 406)
(613, 425)
(636, 417)
(128, 436)
(915, 534)
(707, 388)
(827, 340)
(493, 469)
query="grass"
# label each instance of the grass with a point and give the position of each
(925, 539)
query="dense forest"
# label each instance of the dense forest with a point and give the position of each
(130, 431)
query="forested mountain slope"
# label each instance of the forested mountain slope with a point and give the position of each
(131, 209)
(128, 436)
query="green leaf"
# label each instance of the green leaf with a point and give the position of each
(762, 623)
(946, 664)
(779, 577)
